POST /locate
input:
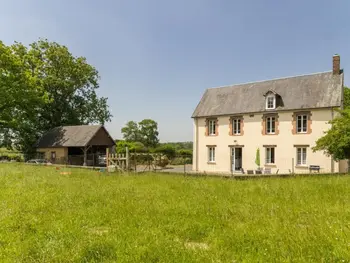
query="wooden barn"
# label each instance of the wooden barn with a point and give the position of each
(76, 145)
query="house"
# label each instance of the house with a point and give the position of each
(282, 118)
(76, 145)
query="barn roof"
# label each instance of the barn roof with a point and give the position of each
(71, 136)
(320, 90)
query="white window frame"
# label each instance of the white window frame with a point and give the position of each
(212, 127)
(303, 128)
(302, 161)
(211, 154)
(269, 125)
(268, 154)
(236, 129)
(273, 98)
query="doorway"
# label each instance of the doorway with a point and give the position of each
(236, 159)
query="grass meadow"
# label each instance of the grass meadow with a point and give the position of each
(73, 215)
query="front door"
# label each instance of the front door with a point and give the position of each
(236, 159)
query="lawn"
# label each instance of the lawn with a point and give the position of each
(86, 216)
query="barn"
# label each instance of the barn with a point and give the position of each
(75, 145)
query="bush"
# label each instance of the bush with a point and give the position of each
(185, 153)
(181, 161)
(167, 150)
(6, 155)
(161, 161)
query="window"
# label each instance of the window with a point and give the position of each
(236, 126)
(301, 156)
(212, 127)
(270, 155)
(53, 155)
(302, 123)
(211, 154)
(270, 102)
(270, 125)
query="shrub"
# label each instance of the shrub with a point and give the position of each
(167, 150)
(162, 161)
(181, 161)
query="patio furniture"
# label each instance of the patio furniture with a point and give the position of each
(314, 168)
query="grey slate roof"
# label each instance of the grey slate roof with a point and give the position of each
(69, 136)
(318, 90)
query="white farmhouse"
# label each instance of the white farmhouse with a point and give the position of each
(282, 118)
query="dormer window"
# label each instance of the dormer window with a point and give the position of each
(271, 102)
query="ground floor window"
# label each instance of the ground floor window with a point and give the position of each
(270, 155)
(301, 156)
(211, 154)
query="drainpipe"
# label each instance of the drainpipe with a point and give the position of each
(196, 124)
(332, 161)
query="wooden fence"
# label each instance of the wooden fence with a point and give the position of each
(133, 161)
(121, 161)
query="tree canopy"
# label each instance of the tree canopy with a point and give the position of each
(336, 141)
(146, 132)
(44, 86)
(346, 98)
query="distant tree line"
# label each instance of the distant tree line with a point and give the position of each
(142, 137)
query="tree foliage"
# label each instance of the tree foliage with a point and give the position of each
(145, 132)
(133, 146)
(131, 132)
(45, 86)
(346, 98)
(168, 150)
(336, 141)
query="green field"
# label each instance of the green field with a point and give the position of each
(86, 216)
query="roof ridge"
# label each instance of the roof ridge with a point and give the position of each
(260, 81)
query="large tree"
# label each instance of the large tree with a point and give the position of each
(146, 132)
(149, 132)
(131, 132)
(22, 94)
(68, 85)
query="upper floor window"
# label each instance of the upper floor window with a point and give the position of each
(212, 127)
(302, 123)
(236, 126)
(271, 102)
(270, 125)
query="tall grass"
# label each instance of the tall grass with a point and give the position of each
(86, 216)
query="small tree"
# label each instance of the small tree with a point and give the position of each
(257, 158)
(336, 141)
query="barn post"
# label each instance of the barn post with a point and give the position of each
(85, 156)
(107, 157)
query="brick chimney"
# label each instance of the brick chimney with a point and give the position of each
(336, 64)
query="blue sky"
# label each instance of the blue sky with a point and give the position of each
(157, 57)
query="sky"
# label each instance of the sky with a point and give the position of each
(157, 57)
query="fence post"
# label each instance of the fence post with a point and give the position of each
(127, 158)
(135, 164)
(184, 160)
